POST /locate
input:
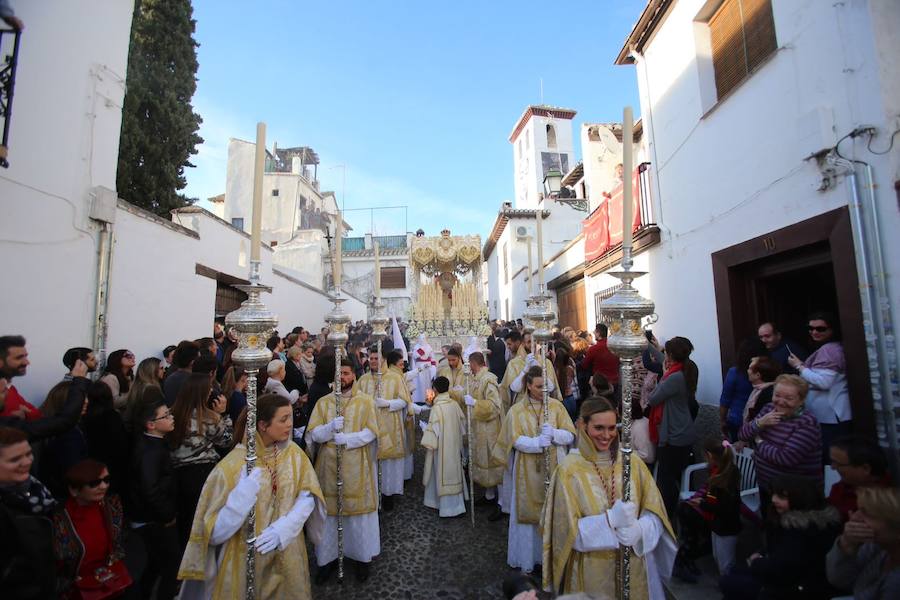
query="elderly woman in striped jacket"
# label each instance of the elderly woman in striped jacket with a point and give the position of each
(785, 436)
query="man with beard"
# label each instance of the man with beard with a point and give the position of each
(354, 431)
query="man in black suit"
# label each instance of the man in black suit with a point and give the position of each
(496, 345)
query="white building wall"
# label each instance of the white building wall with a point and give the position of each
(64, 140)
(736, 170)
(359, 279)
(528, 168)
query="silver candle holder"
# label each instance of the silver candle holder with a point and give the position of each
(624, 312)
(541, 315)
(338, 322)
(253, 324)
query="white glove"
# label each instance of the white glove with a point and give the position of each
(396, 404)
(240, 500)
(267, 540)
(340, 439)
(337, 424)
(295, 395)
(622, 514)
(382, 403)
(458, 388)
(420, 408)
(423, 425)
(298, 432)
(282, 532)
(530, 361)
(630, 535)
(545, 440)
(470, 401)
(547, 429)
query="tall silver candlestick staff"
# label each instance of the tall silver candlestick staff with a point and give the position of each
(542, 316)
(338, 322)
(467, 369)
(624, 312)
(379, 322)
(253, 323)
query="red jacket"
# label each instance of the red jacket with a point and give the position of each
(599, 359)
(14, 401)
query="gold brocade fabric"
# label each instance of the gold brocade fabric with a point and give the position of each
(577, 491)
(391, 438)
(457, 377)
(524, 418)
(487, 418)
(360, 492)
(447, 441)
(516, 366)
(410, 425)
(279, 574)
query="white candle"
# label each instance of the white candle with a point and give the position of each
(627, 208)
(377, 273)
(338, 234)
(540, 247)
(259, 167)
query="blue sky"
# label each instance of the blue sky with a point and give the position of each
(417, 99)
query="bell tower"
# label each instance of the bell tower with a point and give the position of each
(541, 139)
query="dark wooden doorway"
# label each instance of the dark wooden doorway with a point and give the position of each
(783, 276)
(572, 306)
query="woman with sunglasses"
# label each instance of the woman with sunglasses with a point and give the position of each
(825, 371)
(119, 375)
(88, 534)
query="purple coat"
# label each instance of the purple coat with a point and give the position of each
(792, 447)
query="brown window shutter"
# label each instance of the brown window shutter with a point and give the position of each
(393, 278)
(759, 31)
(727, 46)
(742, 35)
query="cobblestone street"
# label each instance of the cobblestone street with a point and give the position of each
(426, 557)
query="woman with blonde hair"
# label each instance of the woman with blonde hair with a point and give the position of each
(865, 559)
(150, 373)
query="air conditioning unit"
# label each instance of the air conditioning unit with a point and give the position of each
(523, 233)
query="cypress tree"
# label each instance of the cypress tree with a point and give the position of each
(159, 125)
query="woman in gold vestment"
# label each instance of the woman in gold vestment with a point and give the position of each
(585, 521)
(286, 493)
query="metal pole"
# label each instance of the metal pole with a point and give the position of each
(545, 412)
(338, 460)
(378, 395)
(471, 440)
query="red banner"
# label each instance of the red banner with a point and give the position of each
(603, 229)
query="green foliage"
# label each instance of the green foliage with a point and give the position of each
(159, 125)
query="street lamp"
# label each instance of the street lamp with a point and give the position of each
(552, 182)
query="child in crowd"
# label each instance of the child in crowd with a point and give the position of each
(152, 496)
(800, 531)
(712, 514)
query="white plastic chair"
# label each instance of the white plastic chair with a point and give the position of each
(745, 464)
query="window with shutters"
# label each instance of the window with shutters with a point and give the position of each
(393, 278)
(742, 37)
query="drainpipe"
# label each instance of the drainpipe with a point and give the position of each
(876, 310)
(103, 212)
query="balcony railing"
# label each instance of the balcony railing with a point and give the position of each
(9, 58)
(385, 242)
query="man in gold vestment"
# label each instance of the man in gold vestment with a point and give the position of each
(356, 431)
(585, 521)
(520, 447)
(523, 357)
(487, 418)
(391, 406)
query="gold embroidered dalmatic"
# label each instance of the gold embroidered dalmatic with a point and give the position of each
(524, 418)
(513, 369)
(576, 491)
(279, 574)
(391, 438)
(360, 490)
(487, 418)
(444, 435)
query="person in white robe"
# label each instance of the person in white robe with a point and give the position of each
(446, 487)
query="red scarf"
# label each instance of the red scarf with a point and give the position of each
(656, 412)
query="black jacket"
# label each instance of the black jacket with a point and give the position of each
(497, 357)
(27, 568)
(293, 378)
(108, 442)
(152, 482)
(794, 564)
(57, 424)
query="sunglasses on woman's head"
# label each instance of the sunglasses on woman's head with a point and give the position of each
(819, 329)
(96, 482)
